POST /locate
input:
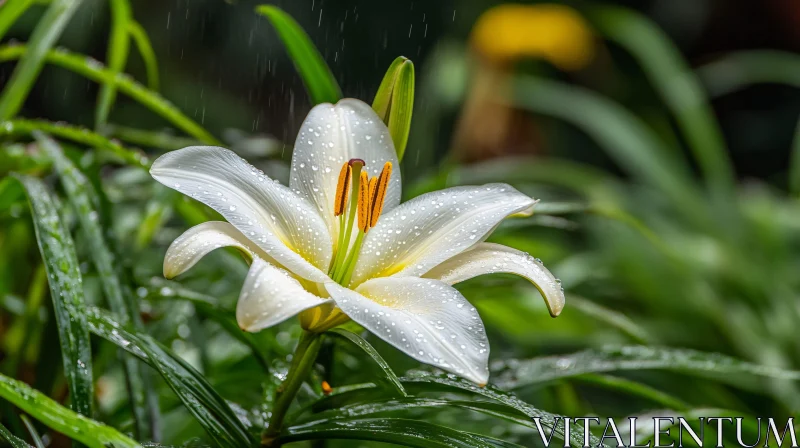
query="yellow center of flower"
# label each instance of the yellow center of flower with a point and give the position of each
(370, 195)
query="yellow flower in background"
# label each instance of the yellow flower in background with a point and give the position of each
(552, 32)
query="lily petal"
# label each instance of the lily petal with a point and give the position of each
(200, 240)
(269, 296)
(273, 217)
(431, 228)
(332, 135)
(489, 258)
(426, 319)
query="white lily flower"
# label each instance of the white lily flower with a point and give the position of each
(338, 245)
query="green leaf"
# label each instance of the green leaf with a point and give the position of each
(66, 291)
(391, 430)
(116, 58)
(44, 37)
(12, 440)
(86, 203)
(388, 374)
(194, 391)
(677, 85)
(634, 388)
(94, 70)
(75, 134)
(522, 373)
(426, 382)
(317, 77)
(394, 102)
(357, 403)
(61, 419)
(10, 12)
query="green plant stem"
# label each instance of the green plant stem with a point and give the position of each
(303, 359)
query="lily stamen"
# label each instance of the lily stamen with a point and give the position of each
(363, 202)
(343, 189)
(378, 193)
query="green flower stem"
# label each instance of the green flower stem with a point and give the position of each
(304, 356)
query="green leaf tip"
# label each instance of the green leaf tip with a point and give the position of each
(317, 77)
(394, 101)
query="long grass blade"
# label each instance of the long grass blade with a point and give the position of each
(116, 57)
(44, 37)
(392, 430)
(145, 48)
(10, 12)
(422, 381)
(194, 391)
(94, 70)
(678, 87)
(66, 291)
(12, 440)
(61, 419)
(317, 77)
(86, 203)
(612, 359)
(75, 134)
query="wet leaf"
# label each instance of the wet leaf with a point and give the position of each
(84, 200)
(391, 430)
(12, 440)
(194, 391)
(513, 374)
(66, 291)
(61, 419)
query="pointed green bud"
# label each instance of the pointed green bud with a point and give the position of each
(394, 102)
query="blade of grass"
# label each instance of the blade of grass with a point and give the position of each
(612, 359)
(633, 145)
(32, 430)
(94, 70)
(10, 12)
(75, 134)
(12, 440)
(86, 203)
(740, 69)
(387, 372)
(116, 57)
(392, 430)
(145, 48)
(194, 391)
(678, 87)
(317, 77)
(423, 381)
(66, 291)
(611, 317)
(44, 37)
(61, 419)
